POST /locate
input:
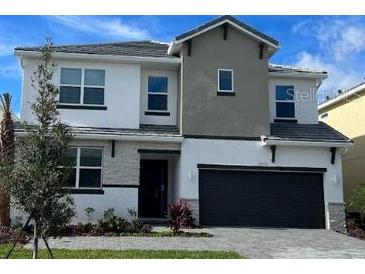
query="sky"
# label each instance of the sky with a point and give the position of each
(335, 44)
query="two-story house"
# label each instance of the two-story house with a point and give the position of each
(205, 118)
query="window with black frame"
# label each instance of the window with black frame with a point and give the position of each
(82, 86)
(86, 167)
(225, 80)
(285, 105)
(157, 93)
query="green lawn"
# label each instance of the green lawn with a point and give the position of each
(20, 253)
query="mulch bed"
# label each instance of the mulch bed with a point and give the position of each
(355, 231)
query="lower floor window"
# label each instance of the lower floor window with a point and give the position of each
(86, 167)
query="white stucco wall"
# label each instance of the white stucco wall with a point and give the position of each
(171, 97)
(119, 198)
(252, 153)
(305, 98)
(122, 95)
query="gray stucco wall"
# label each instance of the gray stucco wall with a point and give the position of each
(203, 112)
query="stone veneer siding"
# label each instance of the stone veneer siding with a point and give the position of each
(123, 168)
(337, 217)
(193, 204)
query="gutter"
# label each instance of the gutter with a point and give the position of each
(277, 142)
(115, 58)
(306, 75)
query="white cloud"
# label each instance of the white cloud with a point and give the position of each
(102, 26)
(341, 46)
(6, 49)
(352, 40)
(338, 77)
(10, 70)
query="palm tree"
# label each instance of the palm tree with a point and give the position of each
(7, 152)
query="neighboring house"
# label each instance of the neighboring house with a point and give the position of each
(205, 118)
(345, 113)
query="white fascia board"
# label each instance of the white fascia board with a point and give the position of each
(135, 138)
(268, 142)
(116, 58)
(304, 75)
(174, 44)
(341, 97)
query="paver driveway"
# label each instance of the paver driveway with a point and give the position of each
(252, 243)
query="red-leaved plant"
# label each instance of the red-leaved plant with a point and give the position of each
(180, 216)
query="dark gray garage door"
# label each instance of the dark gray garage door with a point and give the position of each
(261, 199)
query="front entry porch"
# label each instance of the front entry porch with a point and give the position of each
(156, 185)
(152, 195)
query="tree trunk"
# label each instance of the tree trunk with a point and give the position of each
(4, 209)
(35, 240)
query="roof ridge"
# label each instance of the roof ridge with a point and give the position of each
(125, 43)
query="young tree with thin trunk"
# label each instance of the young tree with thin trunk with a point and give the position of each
(38, 181)
(7, 149)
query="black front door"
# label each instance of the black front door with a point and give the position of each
(152, 200)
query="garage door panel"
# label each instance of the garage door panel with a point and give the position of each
(261, 199)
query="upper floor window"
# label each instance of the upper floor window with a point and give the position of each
(86, 166)
(225, 80)
(82, 86)
(285, 106)
(157, 93)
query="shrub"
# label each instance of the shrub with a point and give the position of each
(356, 202)
(8, 235)
(113, 223)
(146, 229)
(135, 224)
(89, 212)
(180, 216)
(109, 225)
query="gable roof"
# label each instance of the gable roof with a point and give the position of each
(132, 48)
(226, 19)
(320, 132)
(218, 22)
(359, 88)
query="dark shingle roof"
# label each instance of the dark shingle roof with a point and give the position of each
(135, 48)
(320, 132)
(143, 130)
(234, 20)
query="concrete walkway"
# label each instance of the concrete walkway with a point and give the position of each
(252, 243)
